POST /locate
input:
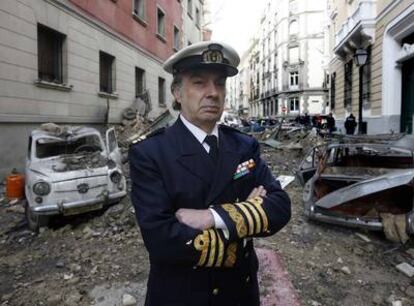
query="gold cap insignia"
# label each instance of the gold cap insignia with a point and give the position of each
(214, 54)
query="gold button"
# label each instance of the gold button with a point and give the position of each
(215, 291)
(247, 279)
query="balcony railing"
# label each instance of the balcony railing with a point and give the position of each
(364, 15)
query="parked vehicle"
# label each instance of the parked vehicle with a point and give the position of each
(71, 171)
(359, 184)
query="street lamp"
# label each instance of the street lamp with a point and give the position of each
(360, 58)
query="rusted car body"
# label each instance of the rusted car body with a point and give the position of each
(358, 184)
(71, 172)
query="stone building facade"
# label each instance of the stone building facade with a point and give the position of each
(290, 60)
(384, 86)
(83, 62)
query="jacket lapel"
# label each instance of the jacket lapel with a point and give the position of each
(192, 155)
(229, 158)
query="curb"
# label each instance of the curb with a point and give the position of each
(276, 289)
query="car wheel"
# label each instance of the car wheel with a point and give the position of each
(34, 221)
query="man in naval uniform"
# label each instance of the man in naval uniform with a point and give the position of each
(201, 192)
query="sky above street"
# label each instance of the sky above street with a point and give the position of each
(235, 21)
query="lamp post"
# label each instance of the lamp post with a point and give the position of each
(360, 58)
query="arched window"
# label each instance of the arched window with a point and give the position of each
(293, 27)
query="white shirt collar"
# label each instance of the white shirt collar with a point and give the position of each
(197, 132)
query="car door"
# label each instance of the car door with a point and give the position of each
(112, 147)
(309, 164)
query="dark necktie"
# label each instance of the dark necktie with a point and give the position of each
(211, 140)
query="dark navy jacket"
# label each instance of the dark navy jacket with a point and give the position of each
(171, 170)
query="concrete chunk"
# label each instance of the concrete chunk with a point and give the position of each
(406, 268)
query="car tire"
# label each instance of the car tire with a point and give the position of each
(34, 222)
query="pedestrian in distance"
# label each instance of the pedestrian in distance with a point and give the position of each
(330, 124)
(201, 191)
(350, 124)
(306, 120)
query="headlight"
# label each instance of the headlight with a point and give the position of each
(116, 177)
(41, 188)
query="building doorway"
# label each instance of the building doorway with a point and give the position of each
(407, 94)
(407, 101)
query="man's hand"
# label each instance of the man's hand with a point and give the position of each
(196, 218)
(257, 192)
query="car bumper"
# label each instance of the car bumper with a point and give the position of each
(77, 207)
(373, 225)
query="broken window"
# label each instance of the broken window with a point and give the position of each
(49, 147)
(106, 72)
(139, 81)
(50, 54)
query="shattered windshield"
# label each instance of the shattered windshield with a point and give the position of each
(49, 147)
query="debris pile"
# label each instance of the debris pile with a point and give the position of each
(134, 126)
(130, 129)
(84, 161)
(290, 138)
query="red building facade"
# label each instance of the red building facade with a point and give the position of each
(141, 28)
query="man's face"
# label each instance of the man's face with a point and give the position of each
(201, 96)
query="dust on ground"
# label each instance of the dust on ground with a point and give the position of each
(100, 259)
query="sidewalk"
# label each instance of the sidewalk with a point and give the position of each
(276, 287)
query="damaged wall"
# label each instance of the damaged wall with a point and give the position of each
(25, 103)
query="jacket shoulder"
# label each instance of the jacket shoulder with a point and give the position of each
(229, 129)
(154, 133)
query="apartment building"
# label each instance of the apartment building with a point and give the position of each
(290, 61)
(372, 66)
(83, 62)
(238, 87)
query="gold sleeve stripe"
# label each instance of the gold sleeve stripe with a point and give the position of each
(248, 216)
(202, 243)
(255, 213)
(231, 255)
(258, 201)
(237, 219)
(212, 256)
(220, 254)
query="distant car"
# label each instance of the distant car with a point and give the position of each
(359, 184)
(71, 172)
(232, 121)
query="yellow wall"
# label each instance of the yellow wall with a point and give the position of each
(376, 59)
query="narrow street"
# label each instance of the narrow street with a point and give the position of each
(100, 258)
(326, 87)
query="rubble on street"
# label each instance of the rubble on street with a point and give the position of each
(99, 258)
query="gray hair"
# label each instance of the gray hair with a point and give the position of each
(176, 84)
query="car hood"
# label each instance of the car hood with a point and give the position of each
(56, 169)
(366, 187)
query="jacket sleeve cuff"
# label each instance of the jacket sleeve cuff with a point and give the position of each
(244, 219)
(218, 221)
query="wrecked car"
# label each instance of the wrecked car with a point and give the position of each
(71, 171)
(365, 185)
